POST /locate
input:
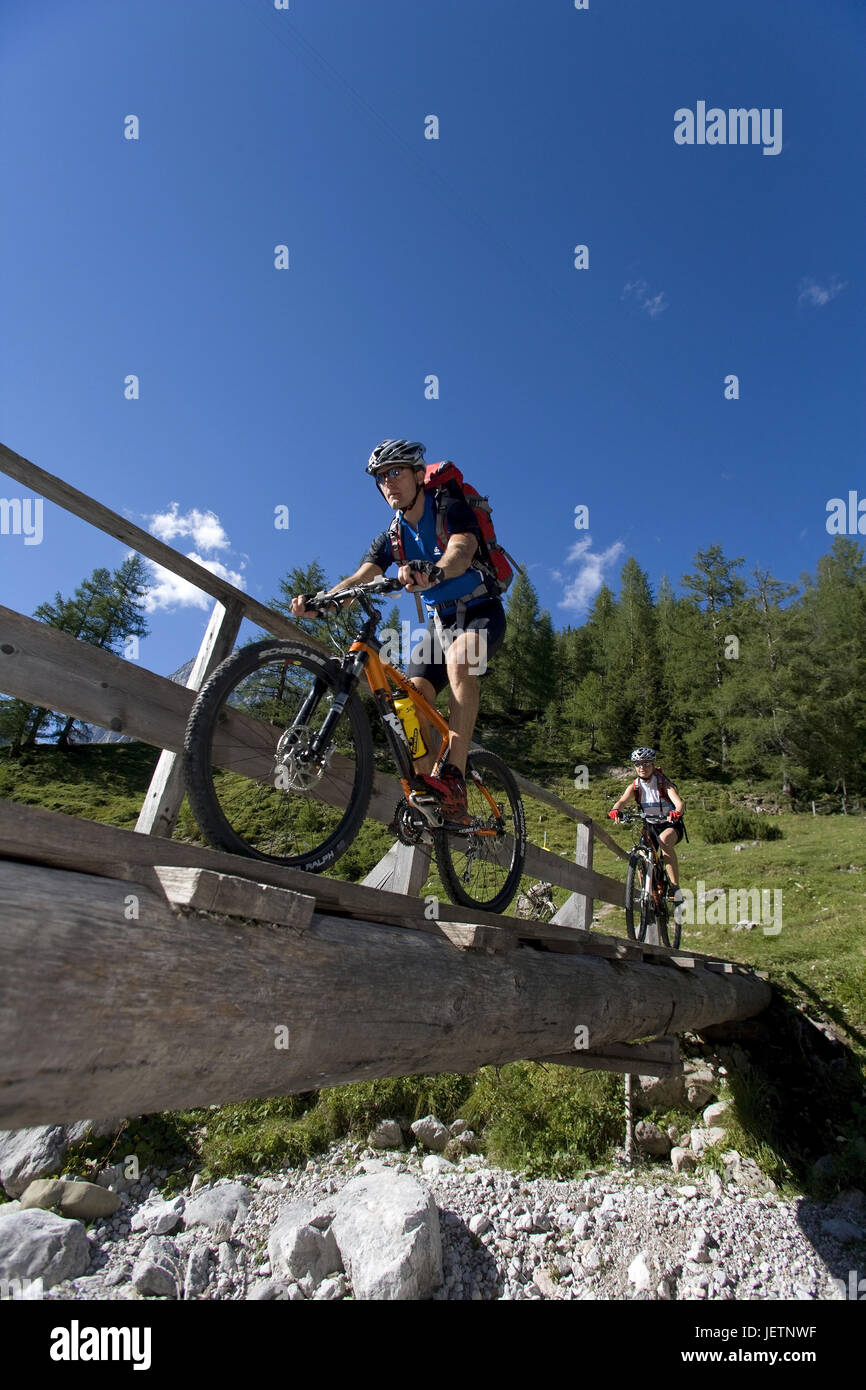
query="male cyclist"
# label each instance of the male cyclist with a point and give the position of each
(466, 620)
(656, 796)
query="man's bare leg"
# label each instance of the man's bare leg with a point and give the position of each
(464, 661)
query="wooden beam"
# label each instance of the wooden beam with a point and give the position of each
(34, 835)
(107, 1007)
(206, 891)
(661, 1057)
(54, 489)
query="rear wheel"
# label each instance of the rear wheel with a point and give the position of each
(481, 869)
(254, 782)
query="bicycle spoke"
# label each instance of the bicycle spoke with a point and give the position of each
(256, 786)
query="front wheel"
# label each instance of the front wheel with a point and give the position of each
(482, 866)
(256, 780)
(638, 903)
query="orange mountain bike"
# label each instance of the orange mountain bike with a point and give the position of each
(279, 763)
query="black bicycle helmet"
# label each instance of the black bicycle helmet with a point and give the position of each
(392, 452)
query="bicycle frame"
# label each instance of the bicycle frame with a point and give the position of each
(363, 656)
(654, 881)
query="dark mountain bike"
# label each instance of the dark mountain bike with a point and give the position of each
(279, 763)
(648, 890)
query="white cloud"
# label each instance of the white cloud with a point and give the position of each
(205, 528)
(819, 295)
(169, 591)
(580, 590)
(653, 303)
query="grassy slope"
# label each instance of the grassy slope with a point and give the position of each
(548, 1120)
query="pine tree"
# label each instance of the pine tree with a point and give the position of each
(636, 664)
(519, 676)
(105, 611)
(715, 586)
(832, 733)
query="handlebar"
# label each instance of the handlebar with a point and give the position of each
(323, 603)
(624, 817)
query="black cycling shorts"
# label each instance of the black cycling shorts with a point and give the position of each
(487, 616)
(661, 825)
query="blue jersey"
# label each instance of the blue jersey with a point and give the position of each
(422, 544)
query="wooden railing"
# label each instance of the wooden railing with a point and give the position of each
(47, 667)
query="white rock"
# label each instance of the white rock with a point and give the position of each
(683, 1160)
(479, 1224)
(435, 1163)
(26, 1154)
(387, 1229)
(715, 1112)
(79, 1130)
(157, 1216)
(153, 1280)
(197, 1272)
(431, 1133)
(334, 1287)
(302, 1246)
(639, 1271)
(228, 1202)
(37, 1244)
(386, 1135)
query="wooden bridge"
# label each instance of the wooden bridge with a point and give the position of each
(140, 973)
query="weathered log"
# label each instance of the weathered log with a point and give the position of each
(111, 1002)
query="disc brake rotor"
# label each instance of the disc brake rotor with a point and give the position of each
(294, 770)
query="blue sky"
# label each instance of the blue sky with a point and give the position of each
(411, 257)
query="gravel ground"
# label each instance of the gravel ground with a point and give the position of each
(625, 1234)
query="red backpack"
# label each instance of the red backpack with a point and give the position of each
(445, 481)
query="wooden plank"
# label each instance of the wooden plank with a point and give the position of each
(661, 1057)
(206, 891)
(34, 835)
(471, 936)
(599, 1061)
(158, 814)
(54, 489)
(107, 1007)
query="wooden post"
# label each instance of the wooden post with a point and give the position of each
(629, 1125)
(165, 793)
(403, 869)
(576, 911)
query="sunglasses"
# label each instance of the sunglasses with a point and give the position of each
(392, 472)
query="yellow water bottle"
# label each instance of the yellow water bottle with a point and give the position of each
(409, 719)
